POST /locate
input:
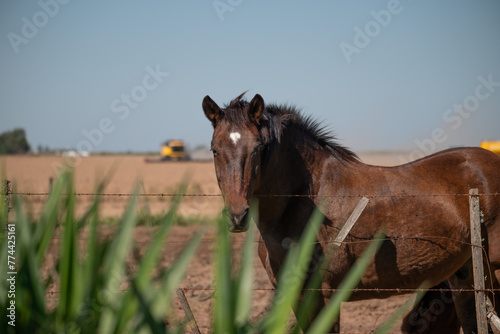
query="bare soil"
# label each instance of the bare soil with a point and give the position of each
(32, 174)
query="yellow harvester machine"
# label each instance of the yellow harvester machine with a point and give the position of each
(491, 145)
(173, 150)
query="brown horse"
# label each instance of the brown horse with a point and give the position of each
(294, 165)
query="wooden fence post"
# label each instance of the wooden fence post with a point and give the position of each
(191, 321)
(7, 192)
(477, 262)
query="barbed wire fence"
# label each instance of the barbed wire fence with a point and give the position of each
(484, 307)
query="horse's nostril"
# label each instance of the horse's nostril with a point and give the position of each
(239, 218)
(245, 211)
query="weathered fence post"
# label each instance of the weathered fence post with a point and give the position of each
(350, 221)
(477, 262)
(191, 321)
(7, 193)
(493, 319)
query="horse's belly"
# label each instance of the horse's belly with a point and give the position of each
(399, 267)
(426, 241)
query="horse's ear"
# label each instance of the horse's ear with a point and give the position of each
(212, 110)
(256, 109)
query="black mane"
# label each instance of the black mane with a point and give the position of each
(277, 118)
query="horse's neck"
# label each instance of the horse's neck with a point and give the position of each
(289, 171)
(289, 184)
(294, 175)
(305, 164)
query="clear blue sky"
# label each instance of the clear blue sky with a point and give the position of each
(383, 82)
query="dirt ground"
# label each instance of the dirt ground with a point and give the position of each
(32, 174)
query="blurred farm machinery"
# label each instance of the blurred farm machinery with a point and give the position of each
(171, 150)
(491, 145)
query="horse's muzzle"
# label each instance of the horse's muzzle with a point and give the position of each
(238, 222)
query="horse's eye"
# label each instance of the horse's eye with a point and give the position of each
(257, 150)
(214, 152)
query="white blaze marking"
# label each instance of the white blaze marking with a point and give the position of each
(235, 136)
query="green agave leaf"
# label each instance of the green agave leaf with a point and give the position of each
(224, 299)
(113, 267)
(3, 241)
(174, 276)
(3, 273)
(153, 325)
(160, 299)
(331, 312)
(308, 304)
(48, 220)
(70, 289)
(244, 281)
(292, 277)
(31, 288)
(91, 275)
(149, 261)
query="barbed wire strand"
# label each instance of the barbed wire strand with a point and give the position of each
(354, 290)
(219, 195)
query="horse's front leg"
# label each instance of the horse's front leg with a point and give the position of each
(306, 318)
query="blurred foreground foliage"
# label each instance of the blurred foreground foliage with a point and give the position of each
(95, 294)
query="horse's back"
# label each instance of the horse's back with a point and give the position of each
(456, 171)
(468, 155)
(460, 169)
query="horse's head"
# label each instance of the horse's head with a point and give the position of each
(237, 147)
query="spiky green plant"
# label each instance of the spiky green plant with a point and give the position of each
(94, 295)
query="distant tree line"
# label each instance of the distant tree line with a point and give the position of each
(14, 142)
